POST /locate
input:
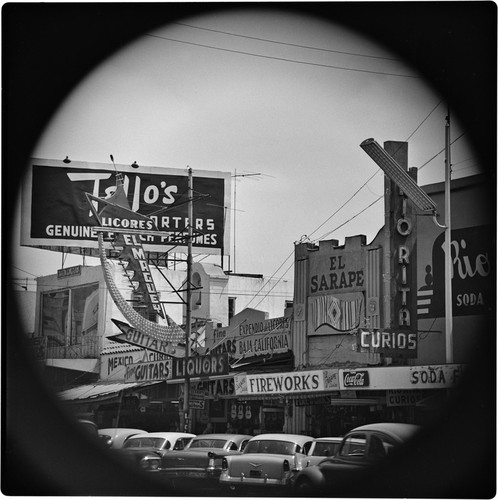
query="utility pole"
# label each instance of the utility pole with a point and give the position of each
(448, 296)
(188, 320)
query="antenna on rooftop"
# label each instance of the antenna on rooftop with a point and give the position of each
(119, 176)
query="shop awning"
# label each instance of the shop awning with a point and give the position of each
(96, 392)
(80, 365)
(310, 399)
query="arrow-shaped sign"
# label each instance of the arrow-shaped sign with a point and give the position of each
(132, 336)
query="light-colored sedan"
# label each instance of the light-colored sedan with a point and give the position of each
(199, 464)
(116, 436)
(269, 460)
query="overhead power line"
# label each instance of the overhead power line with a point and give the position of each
(342, 68)
(286, 43)
(351, 198)
(23, 271)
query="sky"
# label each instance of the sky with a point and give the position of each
(278, 94)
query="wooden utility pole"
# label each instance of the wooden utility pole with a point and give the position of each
(448, 296)
(188, 321)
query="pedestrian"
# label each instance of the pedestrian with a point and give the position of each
(208, 429)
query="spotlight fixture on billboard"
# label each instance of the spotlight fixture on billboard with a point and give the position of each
(395, 172)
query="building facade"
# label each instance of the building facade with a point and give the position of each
(77, 324)
(358, 336)
(368, 329)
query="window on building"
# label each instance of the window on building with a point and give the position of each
(231, 307)
(68, 315)
(197, 292)
(54, 316)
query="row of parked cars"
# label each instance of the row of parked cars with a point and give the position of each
(237, 462)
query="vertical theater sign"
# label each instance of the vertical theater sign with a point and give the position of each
(397, 336)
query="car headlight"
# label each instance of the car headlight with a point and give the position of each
(150, 462)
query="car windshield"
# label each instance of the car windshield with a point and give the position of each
(275, 447)
(144, 443)
(324, 449)
(208, 443)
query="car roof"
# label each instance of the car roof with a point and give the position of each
(165, 435)
(118, 430)
(283, 437)
(334, 439)
(397, 430)
(223, 436)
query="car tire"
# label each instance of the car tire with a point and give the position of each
(303, 487)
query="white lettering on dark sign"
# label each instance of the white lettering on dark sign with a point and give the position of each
(387, 341)
(201, 366)
(356, 378)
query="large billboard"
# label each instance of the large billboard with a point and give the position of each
(472, 279)
(56, 215)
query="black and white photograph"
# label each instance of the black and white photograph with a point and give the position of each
(249, 249)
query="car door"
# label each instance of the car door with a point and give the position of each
(350, 457)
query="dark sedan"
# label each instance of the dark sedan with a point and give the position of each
(364, 446)
(146, 449)
(199, 464)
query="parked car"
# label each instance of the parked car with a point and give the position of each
(199, 464)
(363, 446)
(147, 449)
(91, 429)
(321, 448)
(88, 426)
(269, 460)
(116, 436)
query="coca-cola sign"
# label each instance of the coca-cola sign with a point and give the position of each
(355, 378)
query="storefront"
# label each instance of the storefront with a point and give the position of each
(333, 401)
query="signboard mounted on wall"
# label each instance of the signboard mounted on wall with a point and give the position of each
(472, 280)
(336, 294)
(389, 342)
